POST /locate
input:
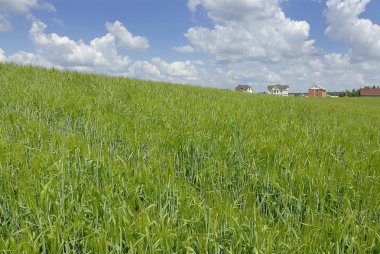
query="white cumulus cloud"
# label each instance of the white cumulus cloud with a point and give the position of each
(249, 30)
(100, 52)
(9, 7)
(65, 51)
(2, 56)
(144, 69)
(29, 58)
(236, 10)
(124, 38)
(184, 49)
(158, 69)
(180, 69)
(361, 35)
(101, 55)
(18, 6)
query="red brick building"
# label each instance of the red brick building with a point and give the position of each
(316, 92)
(370, 92)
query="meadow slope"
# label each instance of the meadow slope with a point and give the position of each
(94, 164)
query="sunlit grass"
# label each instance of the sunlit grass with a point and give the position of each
(92, 164)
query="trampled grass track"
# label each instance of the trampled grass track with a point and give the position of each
(93, 164)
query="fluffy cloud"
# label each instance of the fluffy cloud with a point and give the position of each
(2, 56)
(101, 55)
(9, 7)
(144, 69)
(20, 6)
(361, 35)
(125, 39)
(28, 58)
(184, 49)
(177, 71)
(249, 30)
(236, 10)
(181, 69)
(100, 52)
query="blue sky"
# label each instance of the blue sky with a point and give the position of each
(216, 43)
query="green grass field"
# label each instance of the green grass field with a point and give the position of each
(93, 164)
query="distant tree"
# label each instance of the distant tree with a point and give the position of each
(353, 93)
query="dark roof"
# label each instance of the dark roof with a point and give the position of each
(370, 91)
(243, 87)
(279, 87)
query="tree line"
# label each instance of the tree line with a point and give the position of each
(351, 93)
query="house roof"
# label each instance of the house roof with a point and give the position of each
(243, 87)
(279, 87)
(315, 87)
(370, 91)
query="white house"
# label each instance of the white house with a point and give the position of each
(278, 90)
(244, 88)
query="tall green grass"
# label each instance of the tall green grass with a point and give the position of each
(93, 164)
